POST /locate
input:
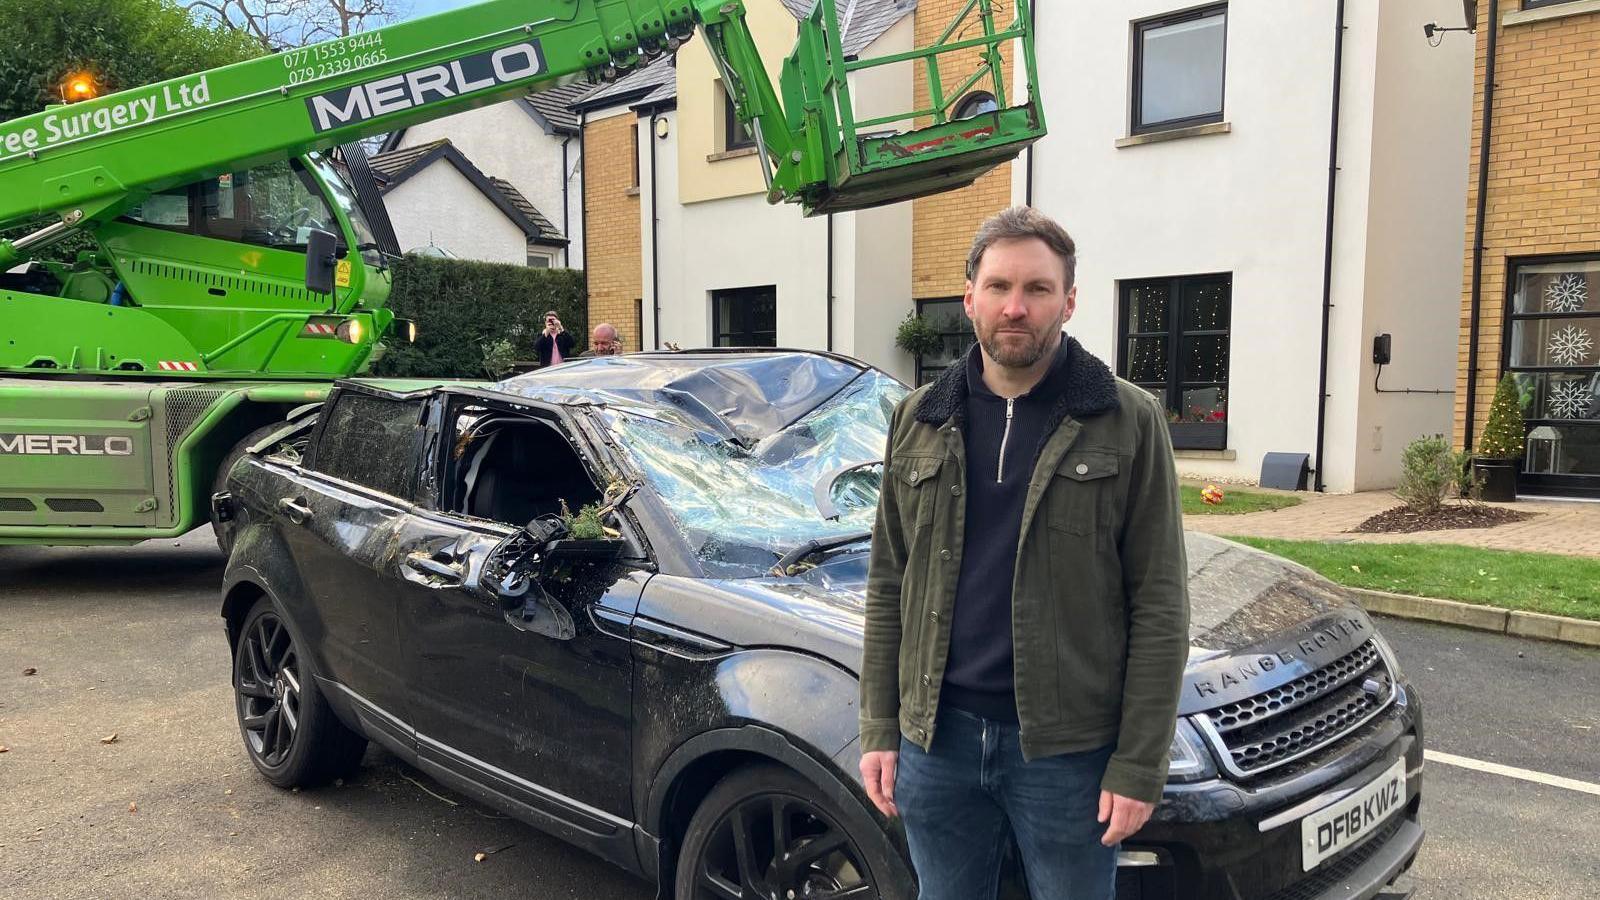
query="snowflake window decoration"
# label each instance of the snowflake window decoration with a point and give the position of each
(1570, 346)
(1569, 400)
(1566, 293)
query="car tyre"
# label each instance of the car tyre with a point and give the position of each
(765, 831)
(290, 732)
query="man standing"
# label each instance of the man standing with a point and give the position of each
(553, 345)
(604, 341)
(1027, 607)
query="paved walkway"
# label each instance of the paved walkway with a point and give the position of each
(1568, 528)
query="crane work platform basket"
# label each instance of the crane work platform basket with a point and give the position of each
(968, 119)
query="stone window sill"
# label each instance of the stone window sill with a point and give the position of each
(1546, 13)
(1225, 455)
(1177, 134)
(631, 192)
(731, 154)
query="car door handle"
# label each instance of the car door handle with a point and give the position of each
(452, 573)
(294, 509)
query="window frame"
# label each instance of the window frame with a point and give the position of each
(1135, 122)
(312, 463)
(921, 304)
(731, 124)
(1185, 435)
(741, 296)
(1544, 4)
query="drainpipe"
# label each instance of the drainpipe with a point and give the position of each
(1027, 191)
(566, 200)
(583, 200)
(655, 228)
(1485, 132)
(1327, 243)
(830, 282)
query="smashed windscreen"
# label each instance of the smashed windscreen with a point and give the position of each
(742, 507)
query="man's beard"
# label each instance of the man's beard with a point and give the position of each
(1016, 354)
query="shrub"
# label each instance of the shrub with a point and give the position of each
(1429, 472)
(917, 337)
(465, 310)
(1503, 431)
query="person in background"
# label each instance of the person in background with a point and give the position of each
(604, 341)
(553, 345)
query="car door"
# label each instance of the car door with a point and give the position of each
(338, 514)
(529, 696)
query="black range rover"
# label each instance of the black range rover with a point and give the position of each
(621, 599)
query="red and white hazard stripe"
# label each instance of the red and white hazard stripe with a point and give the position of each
(175, 365)
(319, 328)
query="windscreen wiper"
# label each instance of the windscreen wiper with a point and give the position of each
(786, 566)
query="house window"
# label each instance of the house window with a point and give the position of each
(947, 317)
(735, 135)
(976, 104)
(1178, 63)
(1553, 349)
(1536, 4)
(635, 182)
(539, 260)
(745, 317)
(1174, 344)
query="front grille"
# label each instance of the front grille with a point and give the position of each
(73, 504)
(1334, 871)
(1291, 720)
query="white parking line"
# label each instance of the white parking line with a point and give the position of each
(1571, 784)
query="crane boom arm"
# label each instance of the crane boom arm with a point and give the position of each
(92, 160)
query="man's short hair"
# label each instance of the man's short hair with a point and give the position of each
(1019, 223)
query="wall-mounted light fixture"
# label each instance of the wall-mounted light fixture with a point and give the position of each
(1435, 32)
(662, 128)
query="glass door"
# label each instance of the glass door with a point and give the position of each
(1553, 349)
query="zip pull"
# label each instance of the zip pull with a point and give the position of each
(1000, 465)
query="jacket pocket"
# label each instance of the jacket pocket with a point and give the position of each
(918, 476)
(1079, 492)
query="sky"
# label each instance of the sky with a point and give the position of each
(429, 7)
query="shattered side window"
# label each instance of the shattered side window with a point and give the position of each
(741, 509)
(371, 441)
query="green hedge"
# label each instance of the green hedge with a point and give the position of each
(461, 306)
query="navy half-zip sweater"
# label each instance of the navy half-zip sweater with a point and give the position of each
(1002, 439)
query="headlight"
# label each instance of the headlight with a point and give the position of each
(1387, 652)
(351, 331)
(1188, 759)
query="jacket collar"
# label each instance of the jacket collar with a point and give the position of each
(1087, 388)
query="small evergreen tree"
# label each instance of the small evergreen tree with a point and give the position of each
(1503, 430)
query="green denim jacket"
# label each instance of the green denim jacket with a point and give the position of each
(1100, 607)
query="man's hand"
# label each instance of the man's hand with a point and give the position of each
(1125, 814)
(877, 773)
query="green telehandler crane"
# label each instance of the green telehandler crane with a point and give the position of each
(236, 271)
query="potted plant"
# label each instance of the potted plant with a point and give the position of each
(917, 337)
(1501, 444)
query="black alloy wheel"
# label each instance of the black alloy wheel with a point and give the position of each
(292, 735)
(268, 684)
(764, 834)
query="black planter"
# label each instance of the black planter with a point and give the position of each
(1499, 477)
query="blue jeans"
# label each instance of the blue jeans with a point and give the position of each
(961, 799)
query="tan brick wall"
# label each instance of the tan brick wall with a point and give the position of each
(1544, 156)
(943, 224)
(613, 249)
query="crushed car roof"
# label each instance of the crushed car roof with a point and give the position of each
(743, 396)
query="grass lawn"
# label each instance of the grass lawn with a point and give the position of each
(1535, 582)
(1235, 501)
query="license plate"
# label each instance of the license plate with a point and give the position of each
(1339, 826)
